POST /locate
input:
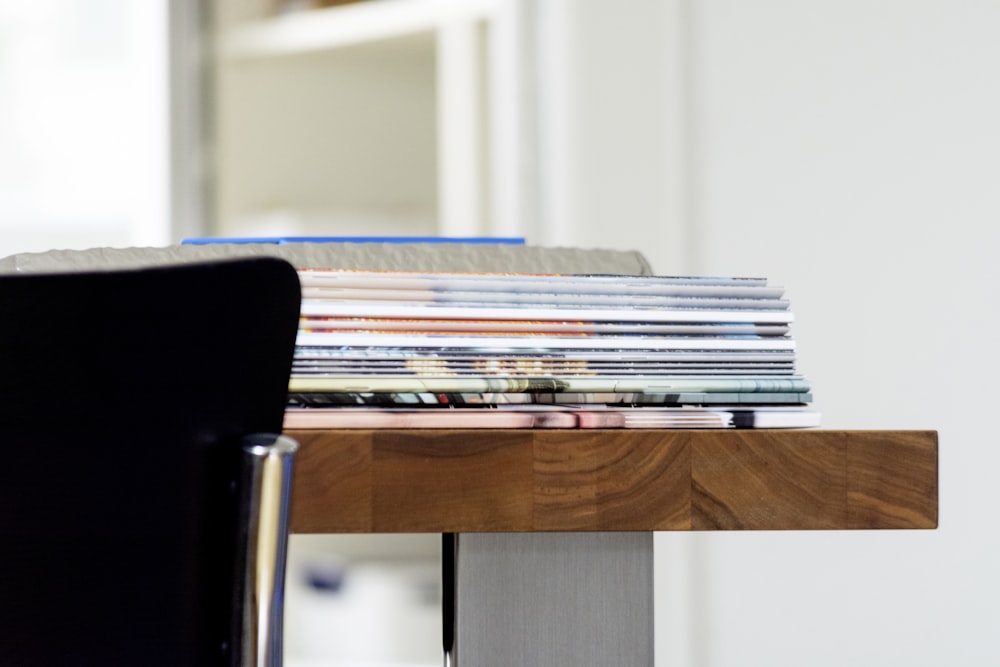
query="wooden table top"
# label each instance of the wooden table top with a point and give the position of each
(413, 481)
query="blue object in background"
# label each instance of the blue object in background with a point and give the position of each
(282, 240)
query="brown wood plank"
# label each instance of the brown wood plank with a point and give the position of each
(893, 484)
(332, 488)
(765, 480)
(579, 480)
(611, 480)
(452, 481)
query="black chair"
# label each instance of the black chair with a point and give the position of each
(143, 488)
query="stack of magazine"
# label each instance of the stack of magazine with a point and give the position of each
(388, 349)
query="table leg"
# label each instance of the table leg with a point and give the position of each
(548, 599)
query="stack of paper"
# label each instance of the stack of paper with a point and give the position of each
(438, 350)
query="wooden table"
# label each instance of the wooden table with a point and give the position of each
(550, 531)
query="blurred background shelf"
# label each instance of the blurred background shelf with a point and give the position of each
(370, 115)
(350, 24)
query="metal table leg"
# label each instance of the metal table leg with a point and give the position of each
(548, 599)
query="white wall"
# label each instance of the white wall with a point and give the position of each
(850, 150)
(608, 114)
(84, 135)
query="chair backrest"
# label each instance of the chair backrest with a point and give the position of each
(123, 399)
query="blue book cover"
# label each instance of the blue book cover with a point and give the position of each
(282, 240)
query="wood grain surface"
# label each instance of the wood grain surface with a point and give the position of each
(355, 481)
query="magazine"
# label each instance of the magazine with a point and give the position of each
(516, 283)
(541, 343)
(551, 327)
(475, 418)
(618, 384)
(538, 299)
(586, 355)
(480, 399)
(489, 368)
(519, 417)
(391, 349)
(622, 312)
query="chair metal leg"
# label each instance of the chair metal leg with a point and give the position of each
(265, 494)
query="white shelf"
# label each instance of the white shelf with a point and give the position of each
(348, 25)
(376, 117)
